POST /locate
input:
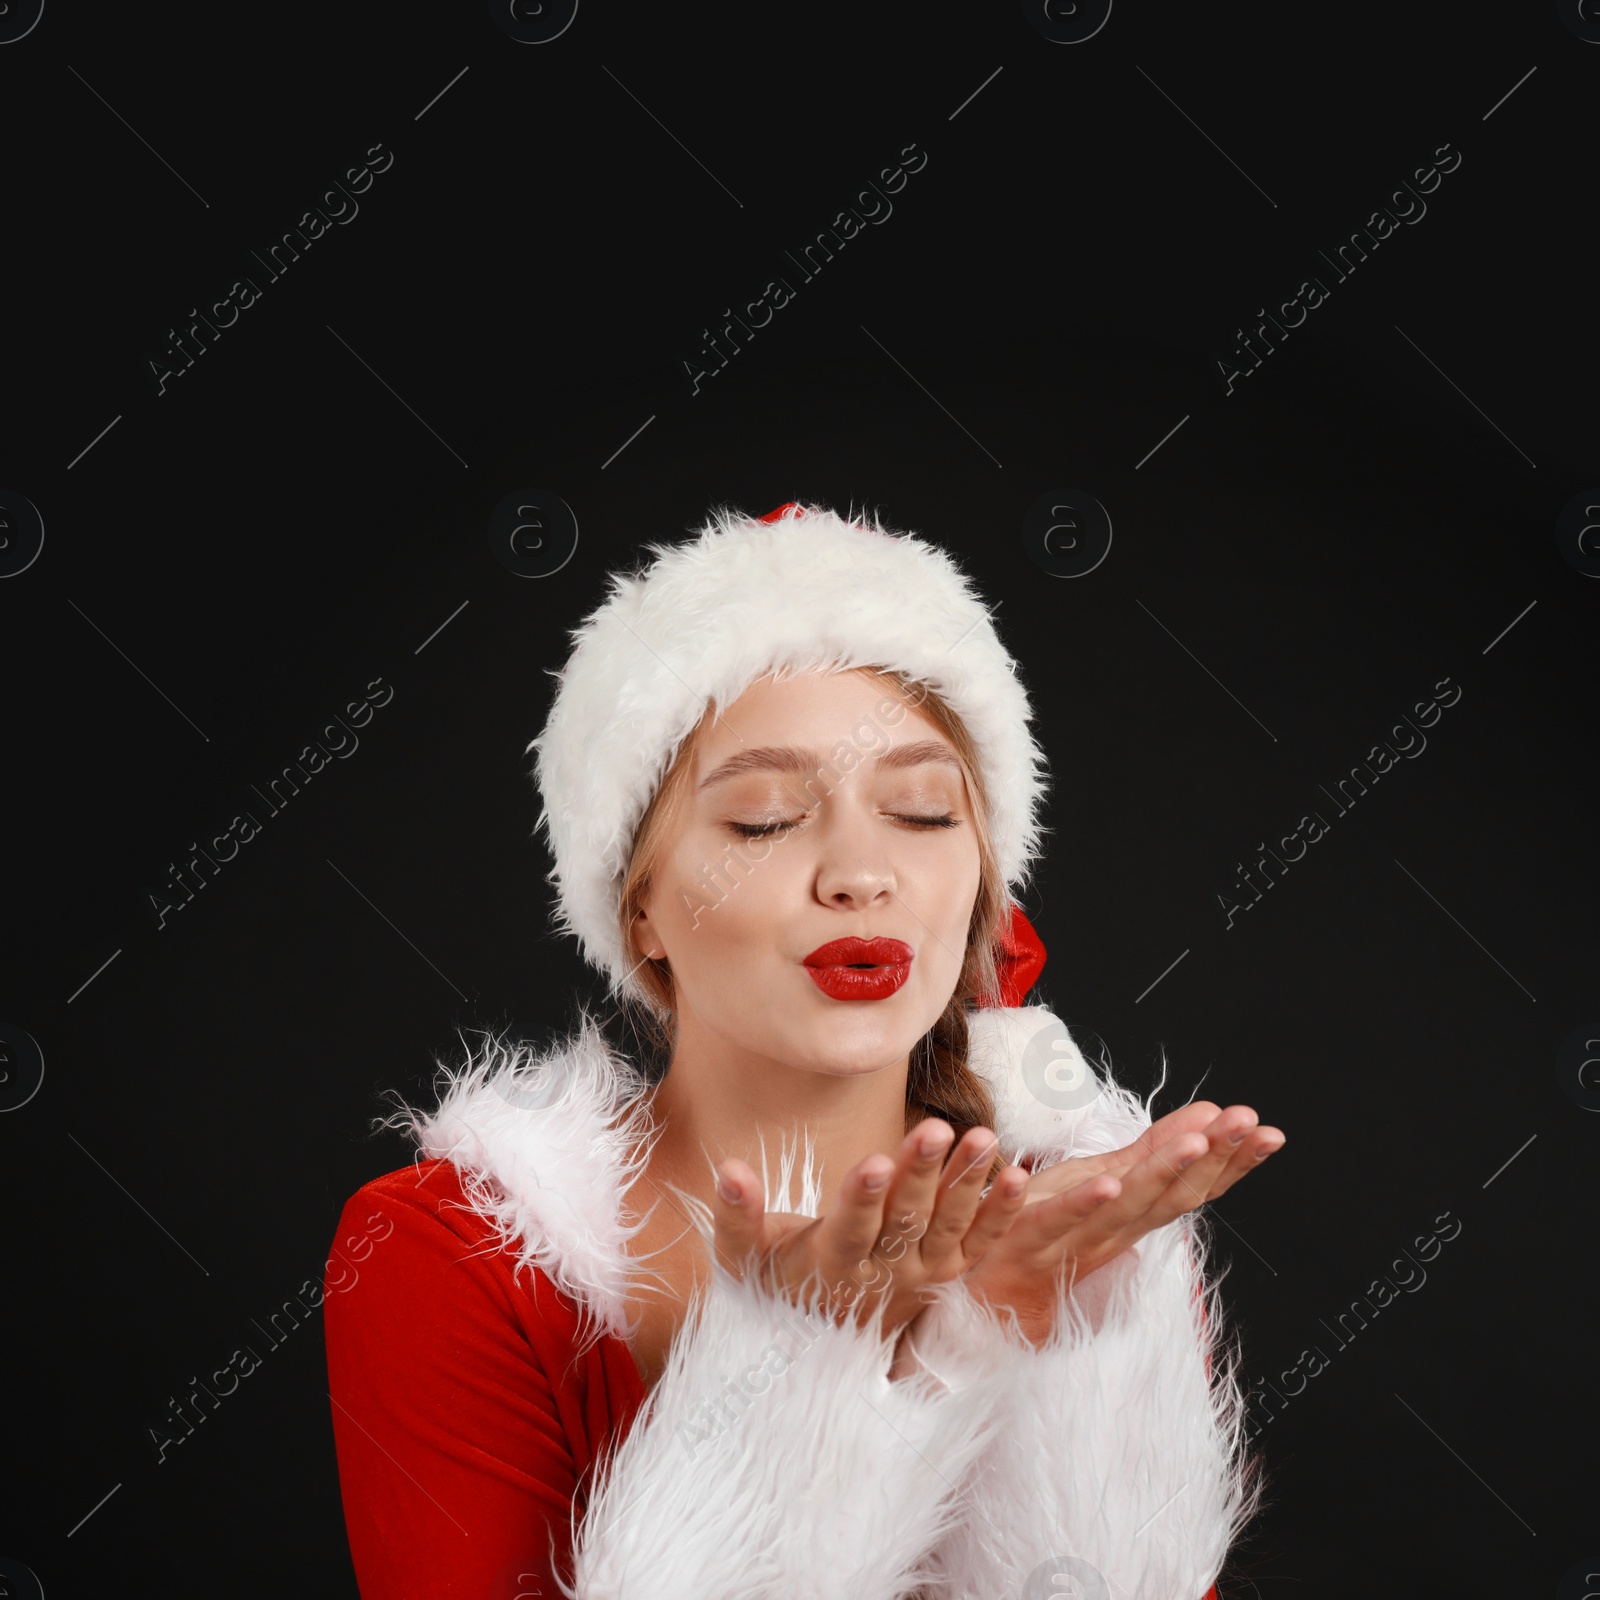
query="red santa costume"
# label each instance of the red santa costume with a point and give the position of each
(494, 1435)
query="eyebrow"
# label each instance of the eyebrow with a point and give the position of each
(786, 758)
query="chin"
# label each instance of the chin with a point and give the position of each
(856, 1044)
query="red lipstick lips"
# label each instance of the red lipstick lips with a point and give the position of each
(860, 969)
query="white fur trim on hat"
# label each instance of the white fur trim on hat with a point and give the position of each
(711, 615)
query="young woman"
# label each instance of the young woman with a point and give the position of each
(962, 1342)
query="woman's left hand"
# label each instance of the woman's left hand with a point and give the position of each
(1080, 1214)
(1234, 1143)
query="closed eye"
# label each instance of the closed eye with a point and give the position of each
(764, 830)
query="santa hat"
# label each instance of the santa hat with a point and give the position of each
(797, 590)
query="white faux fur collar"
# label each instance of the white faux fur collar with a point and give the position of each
(547, 1144)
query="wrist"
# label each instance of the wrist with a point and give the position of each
(1033, 1306)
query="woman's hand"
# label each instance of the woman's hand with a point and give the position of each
(899, 1225)
(1234, 1132)
(1080, 1214)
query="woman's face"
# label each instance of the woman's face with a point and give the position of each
(820, 808)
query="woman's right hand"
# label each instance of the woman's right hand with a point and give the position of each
(924, 1223)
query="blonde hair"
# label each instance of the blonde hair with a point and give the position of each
(941, 1082)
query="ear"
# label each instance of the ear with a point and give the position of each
(646, 941)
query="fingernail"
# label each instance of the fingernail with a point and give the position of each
(874, 1180)
(1188, 1161)
(930, 1144)
(1237, 1136)
(728, 1189)
(1261, 1155)
(1012, 1187)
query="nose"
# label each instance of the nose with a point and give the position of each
(854, 872)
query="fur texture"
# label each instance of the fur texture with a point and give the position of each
(774, 1458)
(778, 1462)
(1121, 1437)
(807, 592)
(547, 1143)
(1049, 1102)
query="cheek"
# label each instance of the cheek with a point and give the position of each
(951, 880)
(953, 890)
(718, 897)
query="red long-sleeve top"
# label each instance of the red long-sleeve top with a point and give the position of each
(465, 1430)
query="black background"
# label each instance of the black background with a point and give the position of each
(1291, 571)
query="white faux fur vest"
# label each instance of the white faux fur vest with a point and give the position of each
(543, 1141)
(1112, 1453)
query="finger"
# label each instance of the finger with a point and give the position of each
(1194, 1117)
(1227, 1135)
(1234, 1135)
(1154, 1192)
(737, 1214)
(1255, 1148)
(1196, 1169)
(996, 1215)
(1039, 1232)
(914, 1187)
(848, 1233)
(959, 1194)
